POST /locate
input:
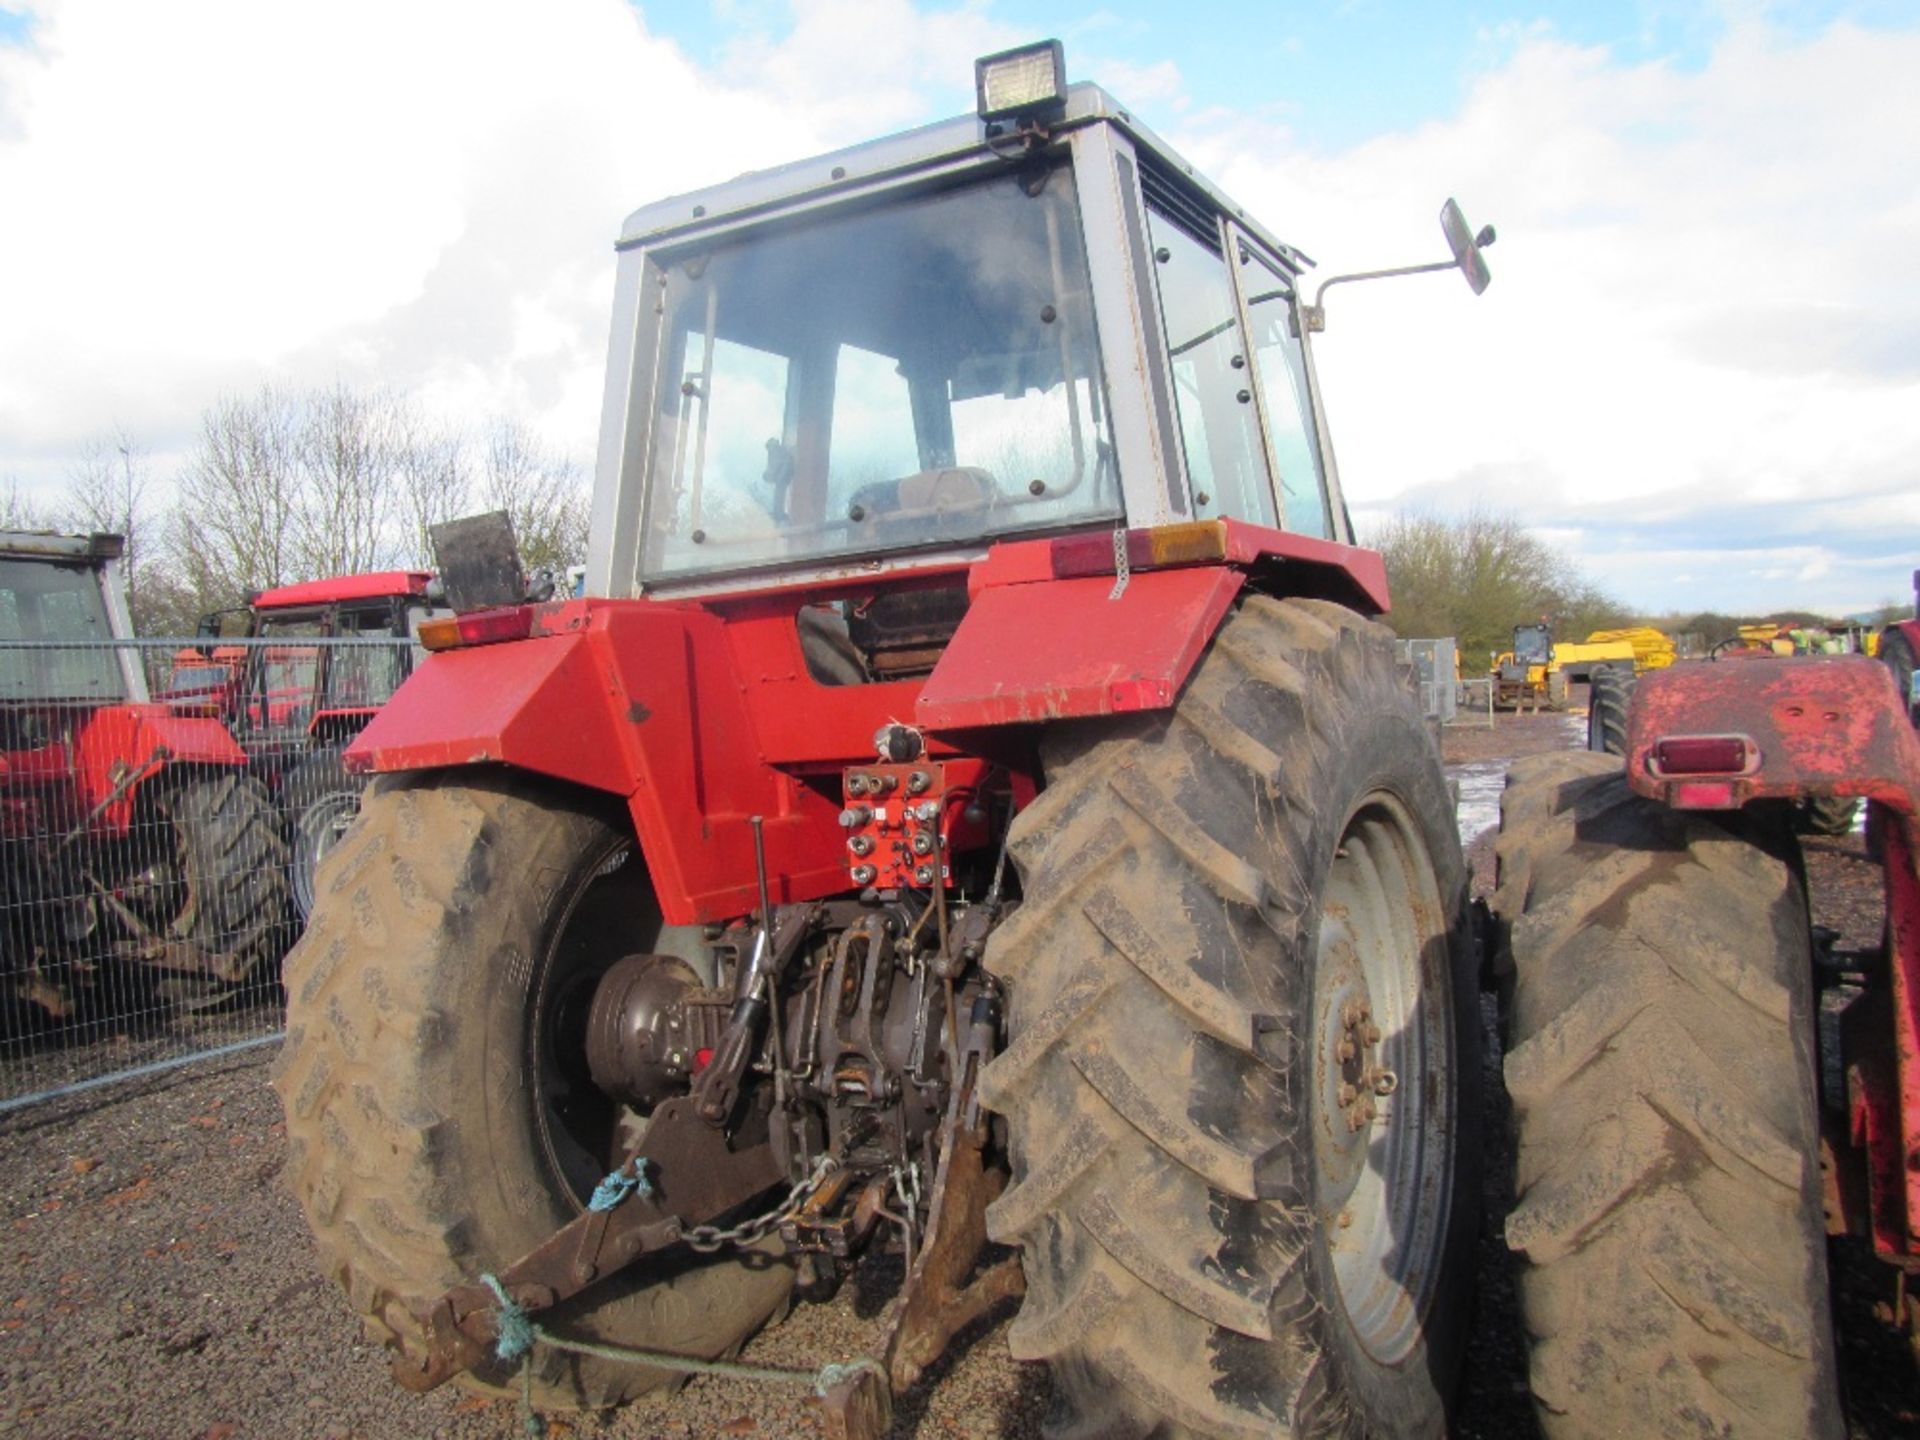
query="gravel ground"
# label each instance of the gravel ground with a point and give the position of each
(156, 1280)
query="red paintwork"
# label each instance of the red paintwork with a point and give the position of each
(1822, 726)
(1065, 648)
(893, 825)
(1295, 564)
(702, 713)
(1883, 1068)
(132, 736)
(375, 586)
(76, 772)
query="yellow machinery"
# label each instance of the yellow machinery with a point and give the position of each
(1652, 650)
(1578, 660)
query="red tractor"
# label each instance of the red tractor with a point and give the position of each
(295, 705)
(1704, 1090)
(984, 805)
(128, 832)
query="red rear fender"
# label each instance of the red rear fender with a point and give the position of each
(1809, 727)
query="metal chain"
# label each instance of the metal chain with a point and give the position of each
(708, 1238)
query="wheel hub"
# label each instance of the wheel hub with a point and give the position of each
(1382, 1167)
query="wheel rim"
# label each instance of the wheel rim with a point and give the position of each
(322, 824)
(1383, 1151)
(582, 1132)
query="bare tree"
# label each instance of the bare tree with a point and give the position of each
(18, 511)
(348, 452)
(108, 492)
(1478, 575)
(292, 487)
(237, 520)
(434, 486)
(541, 493)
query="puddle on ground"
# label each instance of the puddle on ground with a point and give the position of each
(1481, 782)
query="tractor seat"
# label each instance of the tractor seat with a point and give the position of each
(928, 494)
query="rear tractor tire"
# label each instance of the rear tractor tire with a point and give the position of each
(1608, 691)
(228, 884)
(1241, 1077)
(1660, 1063)
(1896, 653)
(440, 1118)
(319, 800)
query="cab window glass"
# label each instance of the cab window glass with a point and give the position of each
(1219, 430)
(1281, 374)
(873, 439)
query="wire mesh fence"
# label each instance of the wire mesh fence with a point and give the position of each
(163, 807)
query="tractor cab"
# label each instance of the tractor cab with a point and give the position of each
(287, 688)
(1532, 645)
(898, 354)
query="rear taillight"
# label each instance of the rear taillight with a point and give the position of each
(478, 627)
(1193, 542)
(1704, 755)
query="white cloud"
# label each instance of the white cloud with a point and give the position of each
(1704, 329)
(419, 194)
(1705, 303)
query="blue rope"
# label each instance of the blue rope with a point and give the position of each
(619, 1185)
(513, 1331)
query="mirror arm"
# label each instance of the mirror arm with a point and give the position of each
(1316, 313)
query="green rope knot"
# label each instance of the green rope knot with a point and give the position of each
(835, 1371)
(514, 1333)
(629, 1179)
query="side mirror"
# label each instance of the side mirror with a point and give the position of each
(1466, 246)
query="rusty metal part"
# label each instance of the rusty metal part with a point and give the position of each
(1830, 726)
(858, 1406)
(718, 1090)
(695, 1176)
(937, 1301)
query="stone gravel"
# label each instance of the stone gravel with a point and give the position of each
(156, 1280)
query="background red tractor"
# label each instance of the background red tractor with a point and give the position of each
(984, 804)
(1704, 1090)
(128, 833)
(294, 705)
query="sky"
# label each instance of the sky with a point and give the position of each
(1697, 369)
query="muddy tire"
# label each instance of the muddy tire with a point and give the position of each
(1206, 894)
(1827, 815)
(319, 800)
(439, 1122)
(1896, 653)
(1607, 693)
(1660, 1063)
(230, 872)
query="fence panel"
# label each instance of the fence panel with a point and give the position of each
(163, 804)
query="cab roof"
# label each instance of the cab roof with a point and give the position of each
(51, 545)
(375, 585)
(859, 167)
